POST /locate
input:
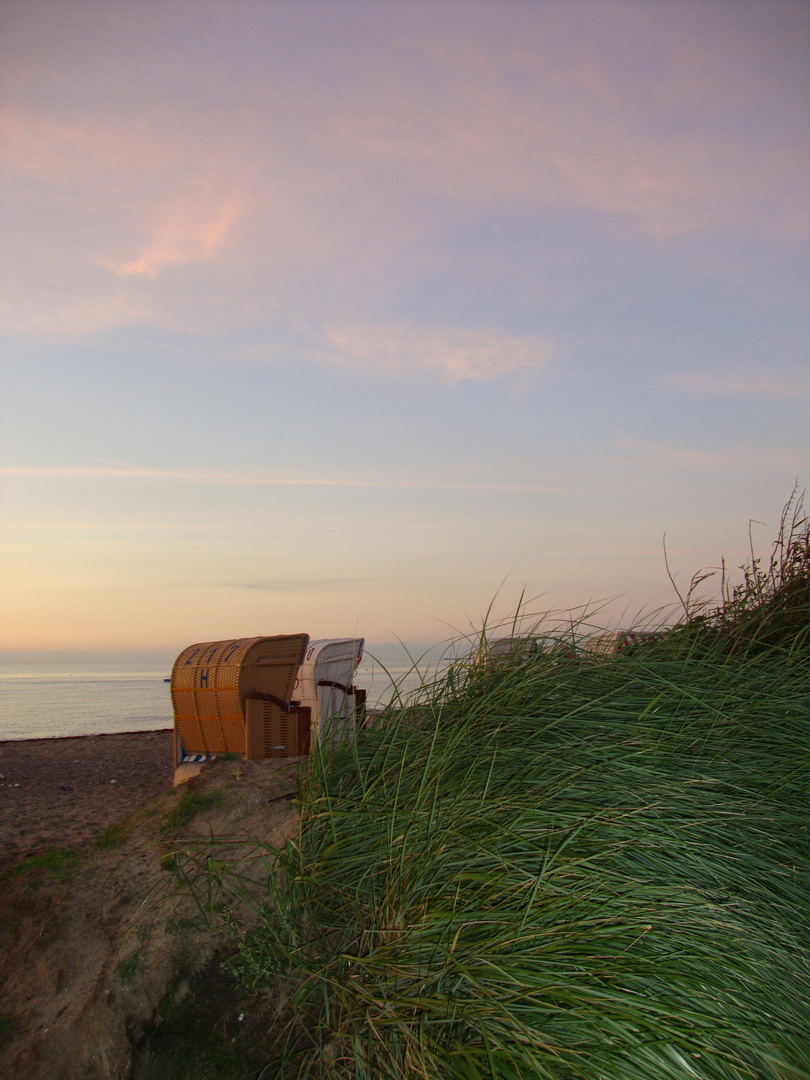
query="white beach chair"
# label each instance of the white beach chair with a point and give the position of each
(325, 685)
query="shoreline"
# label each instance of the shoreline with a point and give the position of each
(89, 735)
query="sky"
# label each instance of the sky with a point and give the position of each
(368, 318)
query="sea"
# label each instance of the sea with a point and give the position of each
(51, 701)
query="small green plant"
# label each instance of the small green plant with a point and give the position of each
(56, 861)
(128, 967)
(207, 1027)
(7, 1027)
(191, 802)
(114, 835)
(181, 926)
(229, 755)
(258, 958)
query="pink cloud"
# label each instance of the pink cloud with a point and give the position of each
(186, 233)
(670, 155)
(328, 157)
(771, 385)
(454, 354)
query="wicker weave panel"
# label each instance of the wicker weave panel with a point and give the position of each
(273, 733)
(210, 681)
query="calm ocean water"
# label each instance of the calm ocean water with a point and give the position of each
(38, 702)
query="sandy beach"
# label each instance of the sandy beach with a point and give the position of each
(68, 791)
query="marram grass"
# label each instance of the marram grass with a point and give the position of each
(555, 868)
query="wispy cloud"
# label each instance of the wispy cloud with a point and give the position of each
(585, 110)
(454, 354)
(46, 307)
(291, 584)
(242, 479)
(649, 131)
(188, 232)
(771, 385)
(653, 454)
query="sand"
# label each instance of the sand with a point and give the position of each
(68, 791)
(94, 953)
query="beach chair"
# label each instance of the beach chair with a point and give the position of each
(523, 649)
(236, 696)
(325, 686)
(612, 642)
(517, 648)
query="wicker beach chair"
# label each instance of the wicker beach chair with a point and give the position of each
(235, 696)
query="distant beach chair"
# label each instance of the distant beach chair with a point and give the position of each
(524, 648)
(612, 642)
(518, 648)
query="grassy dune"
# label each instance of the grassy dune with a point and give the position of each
(563, 867)
(571, 870)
